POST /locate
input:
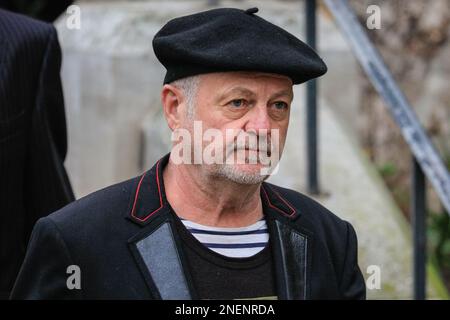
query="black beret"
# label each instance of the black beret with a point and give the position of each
(229, 39)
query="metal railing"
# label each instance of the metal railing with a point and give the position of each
(311, 107)
(426, 161)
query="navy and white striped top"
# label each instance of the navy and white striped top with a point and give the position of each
(231, 242)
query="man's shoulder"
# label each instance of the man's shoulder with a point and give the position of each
(25, 37)
(309, 211)
(330, 232)
(19, 26)
(15, 20)
(102, 207)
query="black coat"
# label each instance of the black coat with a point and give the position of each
(33, 182)
(125, 244)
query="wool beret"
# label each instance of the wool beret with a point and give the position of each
(229, 39)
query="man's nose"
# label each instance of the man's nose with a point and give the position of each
(259, 119)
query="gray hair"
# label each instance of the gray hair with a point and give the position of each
(189, 86)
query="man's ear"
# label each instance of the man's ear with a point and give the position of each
(172, 99)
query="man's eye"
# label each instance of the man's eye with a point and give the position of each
(280, 105)
(237, 103)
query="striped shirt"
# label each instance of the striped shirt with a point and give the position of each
(231, 242)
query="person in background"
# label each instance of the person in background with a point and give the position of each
(33, 141)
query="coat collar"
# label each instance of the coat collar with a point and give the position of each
(149, 198)
(149, 208)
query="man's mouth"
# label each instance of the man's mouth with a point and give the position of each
(258, 151)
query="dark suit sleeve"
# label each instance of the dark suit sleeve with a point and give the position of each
(47, 183)
(43, 273)
(352, 282)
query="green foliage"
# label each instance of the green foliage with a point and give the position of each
(388, 169)
(439, 240)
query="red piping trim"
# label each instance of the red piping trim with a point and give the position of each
(137, 194)
(282, 199)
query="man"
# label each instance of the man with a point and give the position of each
(33, 145)
(202, 223)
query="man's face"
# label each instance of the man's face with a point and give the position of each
(243, 104)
